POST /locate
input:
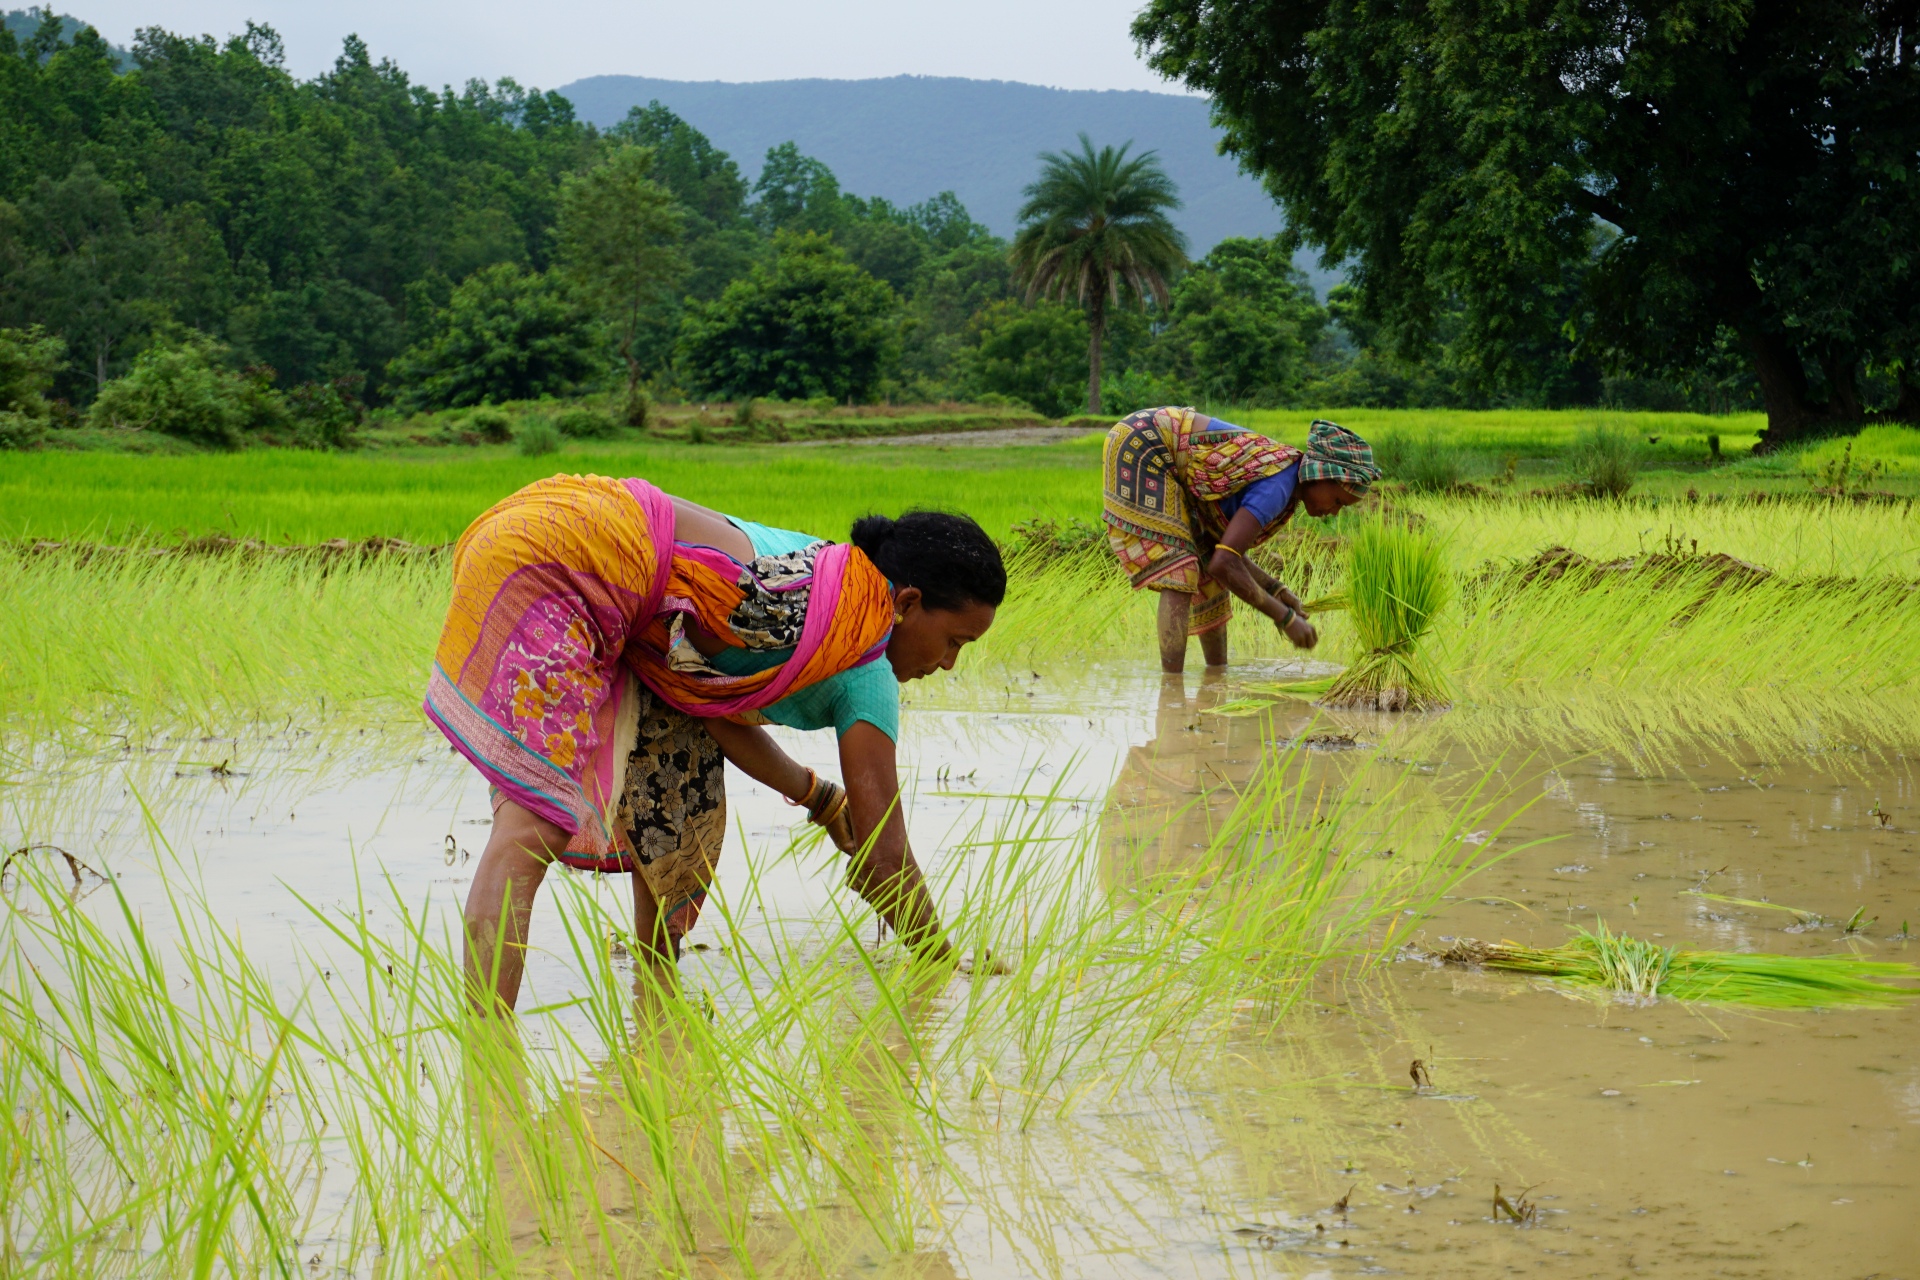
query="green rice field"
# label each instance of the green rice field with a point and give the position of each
(429, 494)
(1614, 944)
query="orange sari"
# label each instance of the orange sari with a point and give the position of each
(563, 596)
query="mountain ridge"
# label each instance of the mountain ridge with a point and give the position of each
(910, 137)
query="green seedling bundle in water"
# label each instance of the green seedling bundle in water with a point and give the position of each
(1634, 968)
(1397, 583)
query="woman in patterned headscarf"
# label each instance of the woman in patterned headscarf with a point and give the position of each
(1187, 496)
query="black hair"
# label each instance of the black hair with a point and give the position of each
(949, 557)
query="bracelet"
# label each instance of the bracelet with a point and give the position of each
(824, 802)
(1229, 550)
(832, 805)
(1292, 613)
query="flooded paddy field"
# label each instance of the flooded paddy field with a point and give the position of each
(1175, 1085)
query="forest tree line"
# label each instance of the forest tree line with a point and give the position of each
(291, 253)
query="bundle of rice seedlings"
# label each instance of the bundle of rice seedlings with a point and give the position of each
(1636, 968)
(1397, 584)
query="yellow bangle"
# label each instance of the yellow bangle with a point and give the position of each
(1224, 547)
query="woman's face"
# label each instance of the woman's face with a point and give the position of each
(1324, 497)
(928, 640)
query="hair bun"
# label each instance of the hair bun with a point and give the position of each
(947, 556)
(870, 533)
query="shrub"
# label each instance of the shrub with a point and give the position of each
(1136, 389)
(1035, 354)
(325, 414)
(1605, 461)
(743, 413)
(585, 424)
(807, 323)
(636, 409)
(1426, 463)
(537, 436)
(491, 425)
(28, 361)
(179, 388)
(19, 431)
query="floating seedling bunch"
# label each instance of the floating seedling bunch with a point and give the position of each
(1615, 963)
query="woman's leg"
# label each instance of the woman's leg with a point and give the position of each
(1213, 645)
(500, 903)
(1175, 608)
(649, 924)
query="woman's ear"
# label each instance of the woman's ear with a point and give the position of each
(904, 599)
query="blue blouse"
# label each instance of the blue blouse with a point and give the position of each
(1266, 498)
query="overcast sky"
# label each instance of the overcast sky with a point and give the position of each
(1071, 44)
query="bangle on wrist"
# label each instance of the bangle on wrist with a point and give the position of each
(824, 801)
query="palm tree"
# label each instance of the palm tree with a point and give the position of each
(1094, 230)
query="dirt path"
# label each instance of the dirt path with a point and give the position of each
(965, 439)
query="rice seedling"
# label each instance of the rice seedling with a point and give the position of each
(794, 1102)
(1637, 969)
(1397, 583)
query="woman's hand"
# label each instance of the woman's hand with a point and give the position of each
(1299, 630)
(882, 869)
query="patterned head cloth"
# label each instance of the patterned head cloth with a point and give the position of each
(1335, 453)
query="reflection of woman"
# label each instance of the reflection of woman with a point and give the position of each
(1172, 794)
(1187, 496)
(608, 644)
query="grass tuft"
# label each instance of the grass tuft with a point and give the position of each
(1604, 461)
(537, 437)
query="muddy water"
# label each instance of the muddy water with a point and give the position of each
(1657, 1139)
(1651, 1139)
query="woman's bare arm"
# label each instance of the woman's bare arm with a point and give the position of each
(1229, 566)
(886, 875)
(753, 750)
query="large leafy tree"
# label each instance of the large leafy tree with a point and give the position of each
(703, 178)
(1241, 324)
(619, 232)
(1095, 232)
(809, 323)
(1651, 175)
(1034, 353)
(507, 334)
